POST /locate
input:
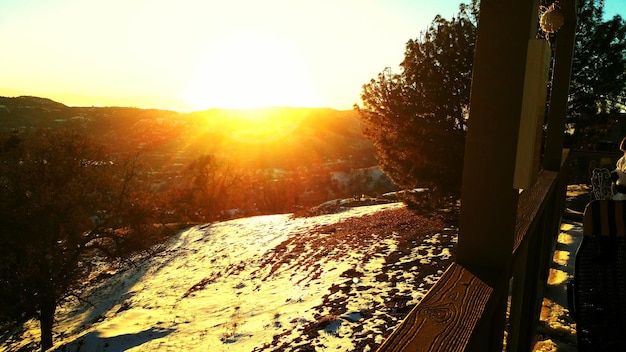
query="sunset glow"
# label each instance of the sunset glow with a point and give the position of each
(250, 70)
(192, 54)
(255, 125)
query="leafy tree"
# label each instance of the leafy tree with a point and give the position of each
(62, 199)
(417, 118)
(598, 85)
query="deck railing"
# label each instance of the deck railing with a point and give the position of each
(463, 309)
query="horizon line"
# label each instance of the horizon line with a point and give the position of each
(170, 108)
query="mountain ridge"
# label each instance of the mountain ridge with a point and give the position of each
(265, 138)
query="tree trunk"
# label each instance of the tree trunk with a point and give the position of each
(46, 320)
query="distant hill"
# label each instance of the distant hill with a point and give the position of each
(263, 138)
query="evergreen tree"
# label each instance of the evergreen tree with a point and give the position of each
(417, 118)
(598, 83)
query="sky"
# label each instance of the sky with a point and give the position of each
(192, 54)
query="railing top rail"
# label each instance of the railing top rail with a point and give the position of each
(532, 203)
(449, 315)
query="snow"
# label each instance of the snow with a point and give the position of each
(245, 285)
(557, 330)
(249, 285)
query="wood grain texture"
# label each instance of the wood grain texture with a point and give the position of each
(446, 317)
(531, 204)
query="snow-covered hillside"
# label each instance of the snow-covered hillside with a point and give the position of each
(331, 282)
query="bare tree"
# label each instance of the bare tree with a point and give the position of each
(62, 199)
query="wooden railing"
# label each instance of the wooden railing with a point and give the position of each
(460, 311)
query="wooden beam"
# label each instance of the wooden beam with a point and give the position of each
(530, 137)
(461, 312)
(445, 320)
(530, 205)
(561, 73)
(488, 199)
(538, 223)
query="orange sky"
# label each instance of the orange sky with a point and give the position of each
(192, 54)
(199, 54)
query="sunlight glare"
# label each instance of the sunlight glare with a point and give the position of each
(250, 70)
(258, 125)
(557, 277)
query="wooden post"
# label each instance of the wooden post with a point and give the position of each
(533, 114)
(561, 72)
(488, 199)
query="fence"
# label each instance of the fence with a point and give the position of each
(462, 310)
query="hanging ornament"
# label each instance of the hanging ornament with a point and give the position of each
(551, 18)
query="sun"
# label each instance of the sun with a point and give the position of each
(248, 69)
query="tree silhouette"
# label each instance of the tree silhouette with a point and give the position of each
(208, 187)
(62, 199)
(598, 84)
(417, 118)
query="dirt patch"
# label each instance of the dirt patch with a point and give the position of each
(366, 236)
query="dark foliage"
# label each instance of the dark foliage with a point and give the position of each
(267, 160)
(62, 200)
(598, 86)
(417, 118)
